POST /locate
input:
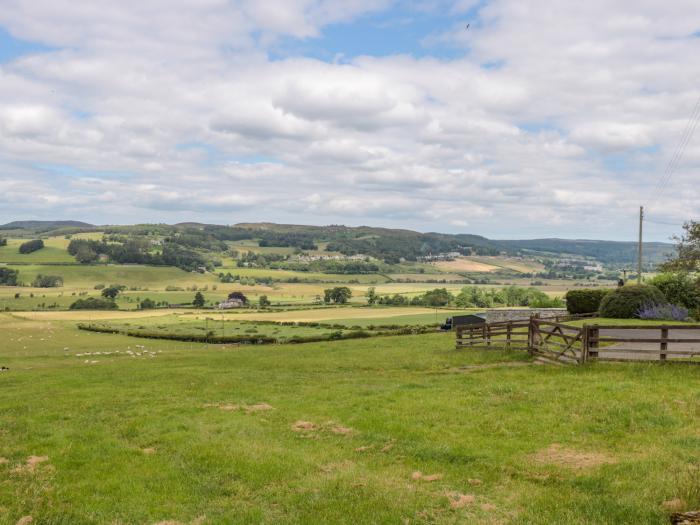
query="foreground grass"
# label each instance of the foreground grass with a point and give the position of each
(129, 438)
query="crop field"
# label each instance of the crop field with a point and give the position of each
(86, 276)
(384, 430)
(284, 275)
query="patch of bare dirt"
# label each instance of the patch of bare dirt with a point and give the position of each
(556, 454)
(339, 429)
(457, 500)
(148, 451)
(474, 482)
(25, 520)
(387, 447)
(30, 466)
(364, 448)
(488, 507)
(223, 406)
(674, 505)
(4, 461)
(304, 426)
(197, 521)
(260, 407)
(419, 476)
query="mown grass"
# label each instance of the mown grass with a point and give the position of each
(129, 439)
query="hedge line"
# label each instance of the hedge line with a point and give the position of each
(254, 340)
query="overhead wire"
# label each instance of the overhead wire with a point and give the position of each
(682, 145)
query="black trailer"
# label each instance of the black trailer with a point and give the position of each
(463, 320)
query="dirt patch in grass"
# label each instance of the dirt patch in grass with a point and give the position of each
(148, 451)
(25, 520)
(341, 430)
(304, 426)
(260, 407)
(457, 500)
(31, 465)
(558, 455)
(419, 476)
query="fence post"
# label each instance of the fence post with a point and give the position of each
(664, 344)
(488, 334)
(584, 343)
(593, 334)
(509, 330)
(459, 332)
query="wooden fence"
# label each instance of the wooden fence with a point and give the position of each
(510, 334)
(555, 341)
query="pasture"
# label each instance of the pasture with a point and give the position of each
(390, 430)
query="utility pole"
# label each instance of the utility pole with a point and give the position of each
(639, 260)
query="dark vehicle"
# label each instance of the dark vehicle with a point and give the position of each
(462, 320)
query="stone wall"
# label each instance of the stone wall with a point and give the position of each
(522, 314)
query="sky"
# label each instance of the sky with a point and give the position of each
(505, 118)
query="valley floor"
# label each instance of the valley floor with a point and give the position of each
(109, 429)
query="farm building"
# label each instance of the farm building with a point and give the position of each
(229, 304)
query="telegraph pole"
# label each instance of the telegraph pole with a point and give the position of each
(639, 260)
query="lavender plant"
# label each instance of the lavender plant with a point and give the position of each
(666, 312)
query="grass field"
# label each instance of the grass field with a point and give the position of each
(336, 432)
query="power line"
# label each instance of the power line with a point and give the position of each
(675, 160)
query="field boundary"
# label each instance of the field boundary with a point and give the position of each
(557, 342)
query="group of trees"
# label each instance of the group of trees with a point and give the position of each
(337, 295)
(31, 246)
(471, 297)
(8, 276)
(3, 241)
(47, 281)
(138, 251)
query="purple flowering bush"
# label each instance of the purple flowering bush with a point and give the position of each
(665, 312)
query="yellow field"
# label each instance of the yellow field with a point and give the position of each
(92, 315)
(463, 264)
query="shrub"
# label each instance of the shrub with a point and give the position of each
(3, 241)
(679, 288)
(31, 246)
(585, 301)
(93, 303)
(627, 301)
(670, 312)
(47, 281)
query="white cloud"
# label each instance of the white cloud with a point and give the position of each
(549, 116)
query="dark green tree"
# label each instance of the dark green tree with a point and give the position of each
(198, 301)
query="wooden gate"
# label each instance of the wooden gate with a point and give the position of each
(556, 342)
(511, 335)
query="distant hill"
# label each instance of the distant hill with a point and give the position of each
(390, 245)
(604, 251)
(44, 225)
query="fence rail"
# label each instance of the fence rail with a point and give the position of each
(555, 341)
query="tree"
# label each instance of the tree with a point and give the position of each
(47, 281)
(147, 304)
(8, 276)
(264, 302)
(687, 258)
(371, 295)
(238, 296)
(198, 301)
(337, 295)
(85, 254)
(111, 292)
(437, 297)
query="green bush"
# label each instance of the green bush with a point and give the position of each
(679, 288)
(94, 303)
(625, 302)
(585, 301)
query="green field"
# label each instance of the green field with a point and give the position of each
(97, 430)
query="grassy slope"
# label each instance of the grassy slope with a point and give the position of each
(234, 467)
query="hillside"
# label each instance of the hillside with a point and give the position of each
(390, 245)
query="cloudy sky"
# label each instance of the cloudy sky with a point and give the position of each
(540, 119)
